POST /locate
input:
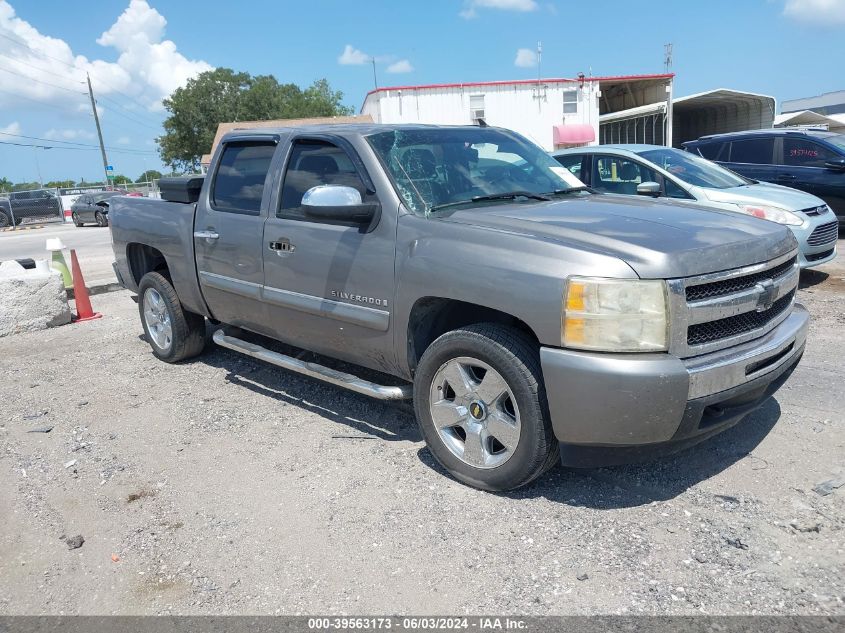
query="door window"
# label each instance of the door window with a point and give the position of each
(314, 163)
(802, 152)
(614, 174)
(239, 181)
(674, 191)
(756, 151)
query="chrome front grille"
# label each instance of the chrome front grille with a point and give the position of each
(813, 211)
(824, 233)
(715, 311)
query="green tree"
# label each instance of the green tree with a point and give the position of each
(26, 186)
(5, 184)
(120, 179)
(57, 184)
(149, 176)
(223, 95)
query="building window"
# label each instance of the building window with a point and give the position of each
(476, 107)
(570, 101)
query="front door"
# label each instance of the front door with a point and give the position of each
(329, 286)
(803, 163)
(228, 233)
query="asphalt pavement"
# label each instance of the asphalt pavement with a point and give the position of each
(92, 244)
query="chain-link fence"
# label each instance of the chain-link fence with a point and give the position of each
(53, 205)
(36, 205)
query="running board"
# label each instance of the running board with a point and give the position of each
(347, 381)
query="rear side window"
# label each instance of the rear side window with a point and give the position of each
(802, 152)
(572, 163)
(713, 151)
(614, 174)
(753, 150)
(314, 163)
(239, 181)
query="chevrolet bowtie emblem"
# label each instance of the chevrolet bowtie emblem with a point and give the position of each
(767, 295)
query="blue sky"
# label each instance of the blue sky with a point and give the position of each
(139, 50)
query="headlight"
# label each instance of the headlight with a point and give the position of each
(774, 214)
(614, 315)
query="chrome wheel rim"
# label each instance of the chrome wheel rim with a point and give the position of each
(157, 319)
(475, 413)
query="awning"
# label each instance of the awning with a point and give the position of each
(573, 134)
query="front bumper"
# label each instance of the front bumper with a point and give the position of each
(617, 408)
(810, 256)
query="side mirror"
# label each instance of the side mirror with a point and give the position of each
(337, 202)
(837, 164)
(648, 189)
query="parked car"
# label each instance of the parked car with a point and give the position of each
(39, 203)
(93, 207)
(810, 160)
(530, 320)
(658, 171)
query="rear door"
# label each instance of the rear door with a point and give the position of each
(802, 166)
(754, 157)
(228, 231)
(329, 286)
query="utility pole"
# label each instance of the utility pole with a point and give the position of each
(99, 131)
(375, 79)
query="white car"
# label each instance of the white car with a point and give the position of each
(654, 170)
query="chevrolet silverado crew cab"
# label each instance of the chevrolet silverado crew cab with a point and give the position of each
(530, 320)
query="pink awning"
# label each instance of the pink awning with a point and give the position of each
(574, 134)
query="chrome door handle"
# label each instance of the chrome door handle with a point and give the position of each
(282, 246)
(206, 235)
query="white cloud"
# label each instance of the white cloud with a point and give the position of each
(525, 58)
(824, 12)
(351, 56)
(13, 128)
(68, 134)
(148, 67)
(402, 66)
(123, 140)
(471, 7)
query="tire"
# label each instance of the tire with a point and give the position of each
(174, 334)
(75, 219)
(5, 220)
(513, 429)
(101, 218)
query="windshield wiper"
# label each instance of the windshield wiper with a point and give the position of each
(558, 192)
(508, 195)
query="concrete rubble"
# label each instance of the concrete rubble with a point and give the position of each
(30, 300)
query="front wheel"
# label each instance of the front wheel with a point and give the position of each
(101, 219)
(173, 333)
(75, 217)
(481, 406)
(5, 220)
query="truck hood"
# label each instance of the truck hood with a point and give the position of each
(765, 193)
(658, 239)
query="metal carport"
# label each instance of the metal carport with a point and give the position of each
(719, 111)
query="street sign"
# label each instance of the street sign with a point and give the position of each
(109, 167)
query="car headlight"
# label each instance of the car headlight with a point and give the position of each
(774, 214)
(615, 315)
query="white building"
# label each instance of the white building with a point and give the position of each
(553, 113)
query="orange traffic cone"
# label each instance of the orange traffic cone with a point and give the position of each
(84, 312)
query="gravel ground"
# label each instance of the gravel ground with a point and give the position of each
(225, 486)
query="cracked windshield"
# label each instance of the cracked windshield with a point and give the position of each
(434, 169)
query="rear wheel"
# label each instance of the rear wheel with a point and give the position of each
(173, 333)
(101, 218)
(5, 220)
(481, 406)
(75, 217)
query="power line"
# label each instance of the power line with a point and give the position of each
(86, 145)
(43, 70)
(77, 149)
(46, 83)
(41, 101)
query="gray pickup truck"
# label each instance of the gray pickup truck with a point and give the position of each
(530, 320)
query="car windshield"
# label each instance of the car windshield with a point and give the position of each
(694, 170)
(836, 139)
(439, 167)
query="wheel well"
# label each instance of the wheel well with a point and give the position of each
(144, 259)
(432, 317)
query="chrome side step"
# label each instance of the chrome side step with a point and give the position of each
(347, 381)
